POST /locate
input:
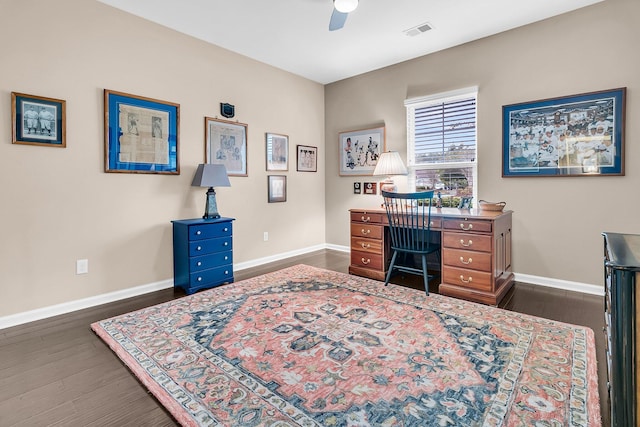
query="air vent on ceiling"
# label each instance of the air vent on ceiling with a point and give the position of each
(422, 28)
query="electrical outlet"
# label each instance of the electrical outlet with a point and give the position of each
(82, 266)
(266, 236)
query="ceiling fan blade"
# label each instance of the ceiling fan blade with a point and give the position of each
(337, 20)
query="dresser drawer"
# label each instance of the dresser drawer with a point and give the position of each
(467, 259)
(368, 260)
(366, 245)
(463, 224)
(209, 261)
(202, 247)
(208, 231)
(475, 242)
(217, 275)
(368, 218)
(366, 230)
(470, 279)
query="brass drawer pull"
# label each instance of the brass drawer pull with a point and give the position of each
(365, 261)
(365, 245)
(466, 245)
(466, 262)
(367, 219)
(366, 231)
(466, 229)
(466, 281)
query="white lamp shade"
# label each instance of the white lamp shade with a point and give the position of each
(390, 164)
(345, 6)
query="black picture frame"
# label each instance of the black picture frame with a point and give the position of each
(38, 120)
(577, 135)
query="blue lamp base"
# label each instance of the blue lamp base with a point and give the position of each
(211, 209)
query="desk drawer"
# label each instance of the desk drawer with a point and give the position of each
(202, 247)
(368, 260)
(366, 230)
(467, 259)
(475, 242)
(366, 245)
(463, 224)
(368, 218)
(467, 278)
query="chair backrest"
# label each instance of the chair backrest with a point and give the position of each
(409, 216)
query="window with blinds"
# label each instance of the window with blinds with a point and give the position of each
(441, 144)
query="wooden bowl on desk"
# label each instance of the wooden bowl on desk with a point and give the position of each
(491, 206)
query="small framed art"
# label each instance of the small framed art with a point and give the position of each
(277, 152)
(307, 158)
(577, 135)
(140, 134)
(360, 150)
(277, 188)
(37, 120)
(370, 187)
(226, 144)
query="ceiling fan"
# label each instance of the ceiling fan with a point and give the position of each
(341, 9)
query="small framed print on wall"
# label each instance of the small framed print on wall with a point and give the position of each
(225, 143)
(307, 158)
(370, 187)
(277, 188)
(360, 150)
(277, 152)
(37, 120)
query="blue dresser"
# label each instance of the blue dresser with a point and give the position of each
(202, 253)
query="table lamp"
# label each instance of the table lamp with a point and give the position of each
(210, 175)
(390, 164)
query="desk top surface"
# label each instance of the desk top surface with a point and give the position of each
(449, 212)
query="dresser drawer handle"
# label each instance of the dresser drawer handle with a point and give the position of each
(466, 245)
(466, 229)
(226, 257)
(366, 261)
(199, 248)
(366, 231)
(466, 281)
(367, 219)
(226, 229)
(226, 272)
(198, 233)
(199, 279)
(365, 245)
(466, 262)
(199, 263)
(226, 244)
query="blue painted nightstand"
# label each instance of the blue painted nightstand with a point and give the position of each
(202, 253)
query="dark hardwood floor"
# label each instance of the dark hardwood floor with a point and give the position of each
(57, 372)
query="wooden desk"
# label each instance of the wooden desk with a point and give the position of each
(475, 258)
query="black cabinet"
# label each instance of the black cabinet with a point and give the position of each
(622, 273)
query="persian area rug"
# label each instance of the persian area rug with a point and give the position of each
(309, 347)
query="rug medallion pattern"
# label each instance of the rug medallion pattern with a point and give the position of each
(310, 347)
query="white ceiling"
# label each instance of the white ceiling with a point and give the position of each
(294, 35)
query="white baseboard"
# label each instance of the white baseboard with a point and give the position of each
(68, 307)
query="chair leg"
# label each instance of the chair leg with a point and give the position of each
(393, 261)
(425, 274)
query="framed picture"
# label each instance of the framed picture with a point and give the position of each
(37, 120)
(307, 158)
(140, 134)
(360, 150)
(277, 188)
(277, 152)
(578, 135)
(226, 144)
(357, 188)
(370, 187)
(465, 203)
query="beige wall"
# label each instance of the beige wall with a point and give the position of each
(557, 221)
(57, 205)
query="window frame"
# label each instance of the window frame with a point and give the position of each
(411, 105)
